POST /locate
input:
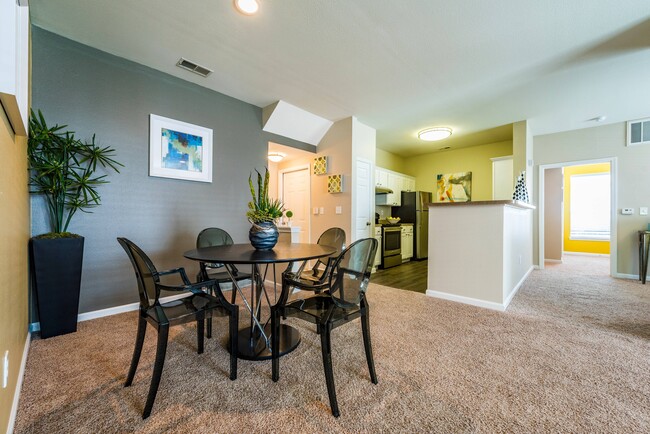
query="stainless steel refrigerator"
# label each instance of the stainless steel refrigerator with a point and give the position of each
(414, 210)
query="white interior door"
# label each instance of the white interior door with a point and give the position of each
(502, 178)
(362, 199)
(295, 194)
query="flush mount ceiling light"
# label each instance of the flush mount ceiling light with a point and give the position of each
(247, 7)
(276, 156)
(435, 133)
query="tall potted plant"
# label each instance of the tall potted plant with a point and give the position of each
(263, 213)
(63, 170)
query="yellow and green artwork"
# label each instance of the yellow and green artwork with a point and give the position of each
(454, 187)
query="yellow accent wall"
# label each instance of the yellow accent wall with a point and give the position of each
(475, 159)
(582, 246)
(14, 233)
(390, 161)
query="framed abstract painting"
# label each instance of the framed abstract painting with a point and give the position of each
(179, 150)
(454, 187)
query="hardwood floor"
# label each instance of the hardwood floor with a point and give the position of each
(411, 276)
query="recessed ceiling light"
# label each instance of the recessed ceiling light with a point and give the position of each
(276, 156)
(435, 133)
(247, 7)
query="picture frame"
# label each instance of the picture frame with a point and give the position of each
(179, 150)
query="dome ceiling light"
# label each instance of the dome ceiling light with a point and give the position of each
(247, 7)
(435, 133)
(276, 156)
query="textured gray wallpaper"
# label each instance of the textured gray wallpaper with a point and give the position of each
(95, 92)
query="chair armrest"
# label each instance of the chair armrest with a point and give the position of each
(304, 283)
(180, 271)
(194, 288)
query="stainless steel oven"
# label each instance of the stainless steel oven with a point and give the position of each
(391, 246)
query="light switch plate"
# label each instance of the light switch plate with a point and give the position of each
(322, 210)
(643, 210)
(315, 211)
(338, 209)
(627, 211)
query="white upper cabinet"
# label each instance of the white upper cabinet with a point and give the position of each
(381, 178)
(397, 182)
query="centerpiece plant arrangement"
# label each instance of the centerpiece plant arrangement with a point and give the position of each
(66, 172)
(262, 213)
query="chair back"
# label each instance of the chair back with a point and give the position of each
(213, 237)
(351, 272)
(145, 273)
(333, 237)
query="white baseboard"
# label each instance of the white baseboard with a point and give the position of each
(517, 286)
(36, 326)
(585, 254)
(628, 276)
(501, 307)
(19, 385)
(466, 300)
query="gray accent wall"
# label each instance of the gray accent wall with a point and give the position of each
(95, 92)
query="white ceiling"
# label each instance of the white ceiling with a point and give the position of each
(397, 65)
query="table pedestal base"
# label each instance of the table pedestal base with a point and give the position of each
(254, 348)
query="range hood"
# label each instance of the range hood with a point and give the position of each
(383, 190)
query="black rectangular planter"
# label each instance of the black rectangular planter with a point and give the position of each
(56, 279)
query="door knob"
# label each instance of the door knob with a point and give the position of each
(367, 223)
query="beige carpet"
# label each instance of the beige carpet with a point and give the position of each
(571, 354)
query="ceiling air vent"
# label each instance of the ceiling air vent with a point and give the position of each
(638, 132)
(191, 66)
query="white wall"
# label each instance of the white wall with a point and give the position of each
(633, 178)
(553, 199)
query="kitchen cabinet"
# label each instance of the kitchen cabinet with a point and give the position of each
(407, 242)
(397, 182)
(409, 184)
(378, 254)
(381, 177)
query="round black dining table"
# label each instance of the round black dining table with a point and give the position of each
(254, 341)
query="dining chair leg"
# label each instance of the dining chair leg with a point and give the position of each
(161, 349)
(365, 327)
(234, 340)
(139, 340)
(200, 324)
(326, 348)
(209, 320)
(233, 293)
(275, 344)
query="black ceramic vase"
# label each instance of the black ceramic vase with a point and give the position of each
(263, 236)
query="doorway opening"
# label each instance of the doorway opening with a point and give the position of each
(577, 211)
(290, 181)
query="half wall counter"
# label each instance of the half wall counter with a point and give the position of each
(480, 252)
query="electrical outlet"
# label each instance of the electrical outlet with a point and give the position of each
(627, 211)
(5, 369)
(643, 210)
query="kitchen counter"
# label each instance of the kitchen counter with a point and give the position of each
(480, 253)
(515, 203)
